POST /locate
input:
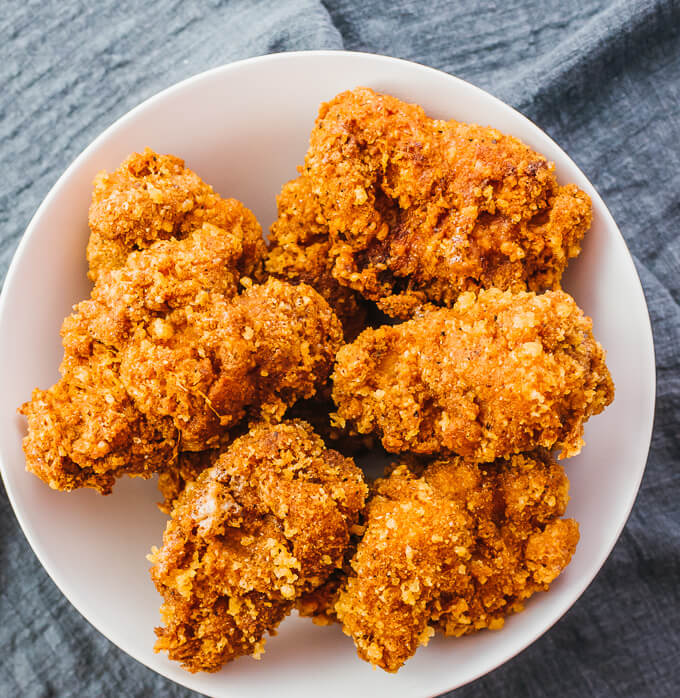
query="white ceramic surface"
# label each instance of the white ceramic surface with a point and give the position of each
(244, 127)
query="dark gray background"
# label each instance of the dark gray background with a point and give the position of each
(602, 78)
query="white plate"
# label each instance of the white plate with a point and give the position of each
(244, 127)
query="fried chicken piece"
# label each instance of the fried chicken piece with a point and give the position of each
(299, 251)
(258, 353)
(154, 197)
(168, 276)
(497, 374)
(457, 548)
(421, 210)
(268, 522)
(85, 431)
(185, 360)
(193, 351)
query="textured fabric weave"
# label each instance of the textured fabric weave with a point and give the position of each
(601, 77)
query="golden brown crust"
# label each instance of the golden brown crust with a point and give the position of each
(191, 350)
(177, 349)
(455, 549)
(182, 360)
(496, 374)
(154, 197)
(271, 520)
(170, 275)
(299, 251)
(421, 210)
(85, 430)
(258, 353)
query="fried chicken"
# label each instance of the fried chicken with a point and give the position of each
(264, 350)
(85, 431)
(268, 522)
(456, 549)
(183, 359)
(154, 197)
(497, 374)
(299, 251)
(419, 210)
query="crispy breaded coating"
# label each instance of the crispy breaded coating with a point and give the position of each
(169, 276)
(299, 251)
(268, 522)
(85, 430)
(185, 360)
(497, 374)
(154, 197)
(258, 353)
(457, 549)
(421, 210)
(192, 350)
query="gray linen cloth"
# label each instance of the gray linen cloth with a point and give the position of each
(602, 77)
